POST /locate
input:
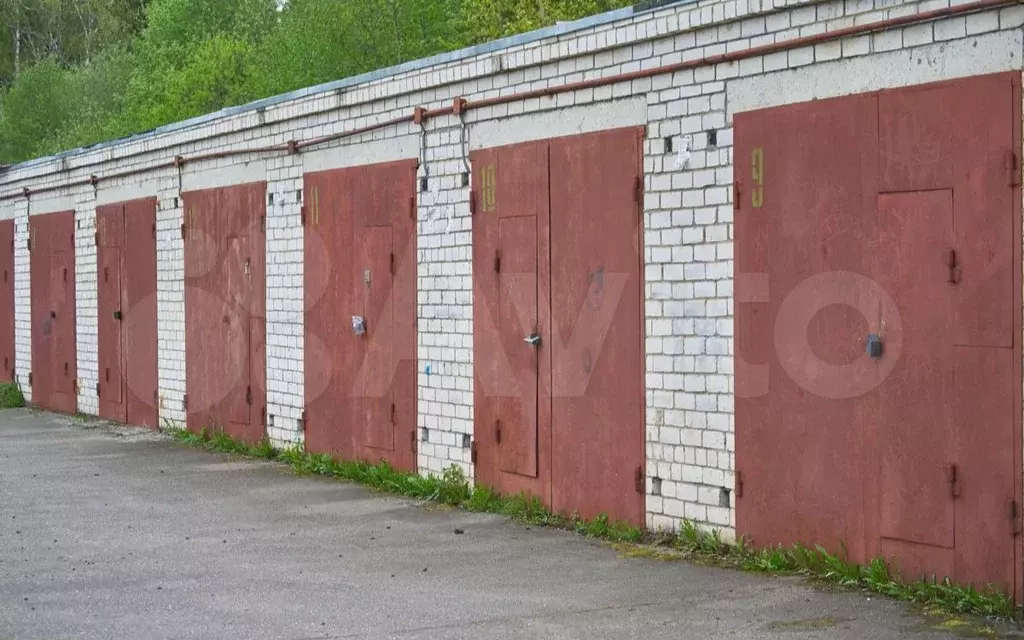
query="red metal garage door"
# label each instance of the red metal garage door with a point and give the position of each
(225, 321)
(898, 217)
(557, 264)
(7, 301)
(360, 253)
(126, 262)
(54, 356)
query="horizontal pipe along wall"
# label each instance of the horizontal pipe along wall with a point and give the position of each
(360, 324)
(54, 355)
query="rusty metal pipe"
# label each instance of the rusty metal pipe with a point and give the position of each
(735, 56)
(353, 132)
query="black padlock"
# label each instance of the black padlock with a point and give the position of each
(874, 346)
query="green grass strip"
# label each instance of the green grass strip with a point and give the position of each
(690, 542)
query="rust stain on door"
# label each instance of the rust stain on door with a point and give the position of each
(7, 301)
(910, 199)
(54, 354)
(225, 321)
(360, 262)
(126, 306)
(111, 353)
(558, 334)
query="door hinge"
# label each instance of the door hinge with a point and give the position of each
(497, 430)
(184, 232)
(638, 480)
(1013, 513)
(472, 202)
(184, 402)
(954, 267)
(30, 378)
(412, 440)
(736, 193)
(28, 243)
(263, 416)
(96, 238)
(472, 453)
(391, 263)
(156, 398)
(1012, 163)
(497, 261)
(392, 413)
(302, 215)
(263, 224)
(154, 231)
(412, 207)
(97, 389)
(638, 190)
(953, 476)
(303, 422)
(739, 484)
(248, 395)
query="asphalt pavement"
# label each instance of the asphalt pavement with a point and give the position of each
(111, 532)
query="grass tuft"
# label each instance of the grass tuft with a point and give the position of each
(691, 542)
(11, 396)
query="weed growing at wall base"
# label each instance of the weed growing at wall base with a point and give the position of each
(689, 543)
(11, 396)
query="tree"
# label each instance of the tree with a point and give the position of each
(484, 20)
(194, 57)
(76, 72)
(32, 110)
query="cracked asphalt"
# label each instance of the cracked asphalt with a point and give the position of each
(109, 532)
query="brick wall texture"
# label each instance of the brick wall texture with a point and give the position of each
(688, 210)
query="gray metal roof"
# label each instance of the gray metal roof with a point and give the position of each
(413, 65)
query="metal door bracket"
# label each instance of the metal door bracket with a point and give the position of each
(1013, 512)
(1012, 164)
(953, 476)
(638, 479)
(954, 267)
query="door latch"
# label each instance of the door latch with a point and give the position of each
(533, 340)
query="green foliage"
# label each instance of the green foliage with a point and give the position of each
(483, 20)
(92, 70)
(690, 542)
(10, 396)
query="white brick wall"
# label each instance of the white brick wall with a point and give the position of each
(86, 293)
(22, 299)
(284, 234)
(688, 248)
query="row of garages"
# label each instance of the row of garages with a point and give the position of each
(876, 304)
